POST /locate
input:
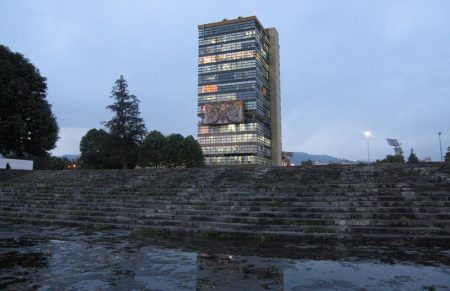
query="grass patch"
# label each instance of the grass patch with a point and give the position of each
(103, 227)
(213, 234)
(200, 206)
(277, 203)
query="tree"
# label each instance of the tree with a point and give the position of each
(174, 151)
(412, 157)
(307, 163)
(96, 149)
(393, 159)
(193, 152)
(57, 163)
(152, 149)
(27, 124)
(447, 155)
(127, 128)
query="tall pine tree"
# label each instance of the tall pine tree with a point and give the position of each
(127, 128)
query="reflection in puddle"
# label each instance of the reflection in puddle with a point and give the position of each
(68, 258)
(315, 275)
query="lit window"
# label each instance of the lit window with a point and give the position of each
(208, 88)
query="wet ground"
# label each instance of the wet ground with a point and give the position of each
(57, 258)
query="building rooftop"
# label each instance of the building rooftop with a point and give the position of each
(230, 21)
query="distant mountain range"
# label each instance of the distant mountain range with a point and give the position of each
(70, 157)
(299, 157)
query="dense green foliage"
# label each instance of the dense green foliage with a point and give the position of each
(393, 159)
(151, 152)
(27, 124)
(127, 128)
(171, 151)
(447, 156)
(193, 153)
(174, 152)
(97, 151)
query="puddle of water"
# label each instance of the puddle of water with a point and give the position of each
(51, 258)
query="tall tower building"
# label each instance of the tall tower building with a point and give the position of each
(239, 93)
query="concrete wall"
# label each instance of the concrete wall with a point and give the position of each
(275, 97)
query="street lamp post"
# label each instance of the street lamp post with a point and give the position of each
(368, 135)
(440, 145)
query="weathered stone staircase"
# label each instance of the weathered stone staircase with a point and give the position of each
(357, 202)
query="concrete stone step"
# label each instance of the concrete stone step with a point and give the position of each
(230, 207)
(174, 219)
(185, 211)
(398, 201)
(289, 210)
(319, 197)
(250, 196)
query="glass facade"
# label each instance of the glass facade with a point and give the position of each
(233, 64)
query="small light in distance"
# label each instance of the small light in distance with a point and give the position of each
(367, 133)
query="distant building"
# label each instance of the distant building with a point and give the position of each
(239, 93)
(286, 159)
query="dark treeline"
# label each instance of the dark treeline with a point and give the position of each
(98, 151)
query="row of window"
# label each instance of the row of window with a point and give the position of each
(264, 75)
(230, 57)
(214, 150)
(231, 160)
(263, 64)
(236, 149)
(241, 127)
(227, 96)
(215, 30)
(260, 56)
(227, 57)
(227, 76)
(235, 138)
(227, 37)
(263, 39)
(234, 76)
(227, 66)
(233, 46)
(227, 86)
(246, 137)
(218, 97)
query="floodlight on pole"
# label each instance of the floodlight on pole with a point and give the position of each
(440, 145)
(368, 135)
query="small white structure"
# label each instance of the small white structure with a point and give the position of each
(16, 164)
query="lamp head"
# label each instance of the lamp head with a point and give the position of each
(367, 133)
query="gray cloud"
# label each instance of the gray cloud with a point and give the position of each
(346, 66)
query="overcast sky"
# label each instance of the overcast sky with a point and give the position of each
(346, 66)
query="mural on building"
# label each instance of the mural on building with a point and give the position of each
(224, 112)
